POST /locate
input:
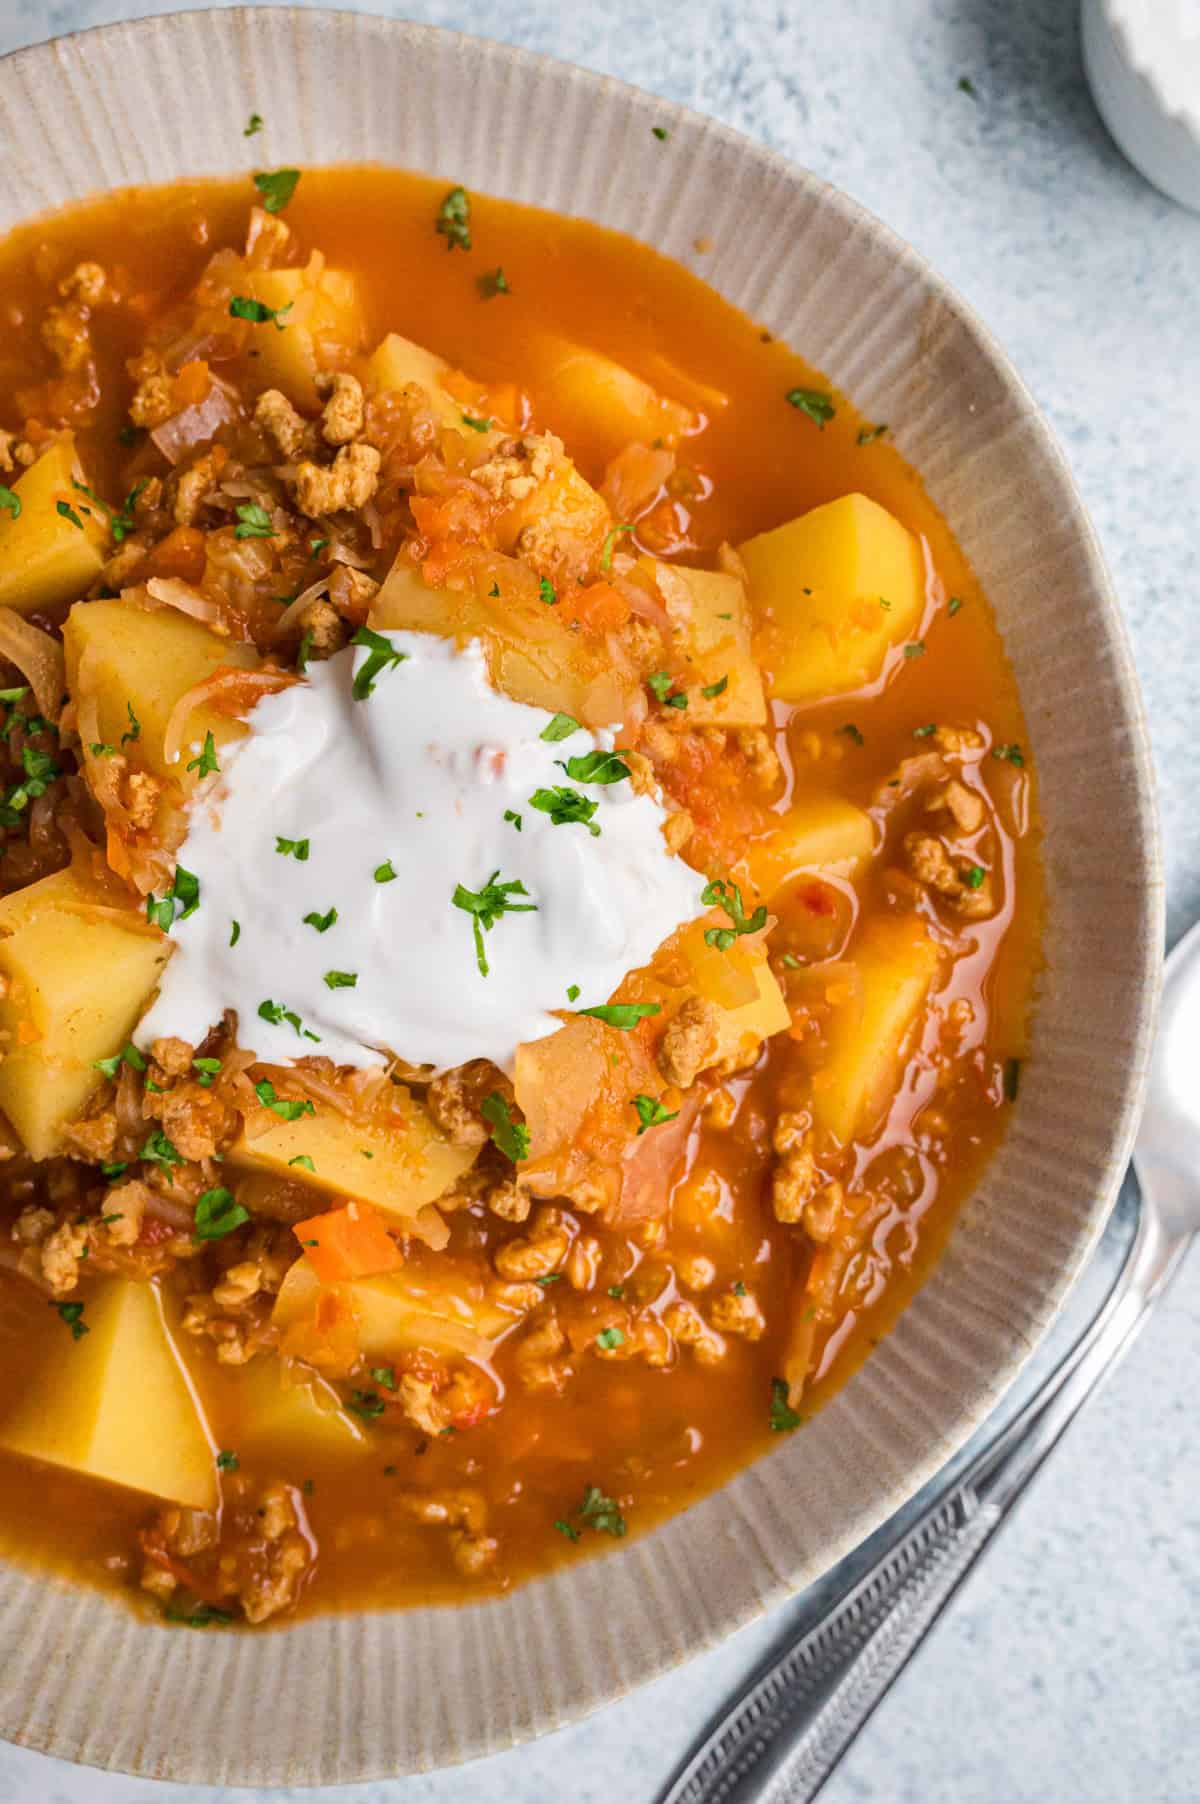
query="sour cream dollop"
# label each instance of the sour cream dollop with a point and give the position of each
(430, 777)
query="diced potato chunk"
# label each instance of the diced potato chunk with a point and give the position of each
(288, 1412)
(833, 592)
(530, 656)
(45, 558)
(563, 522)
(129, 657)
(443, 1309)
(895, 962)
(742, 1029)
(115, 1404)
(714, 619)
(598, 405)
(825, 833)
(398, 362)
(76, 981)
(400, 1163)
(323, 326)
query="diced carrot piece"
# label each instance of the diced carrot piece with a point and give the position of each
(192, 383)
(352, 1242)
(598, 609)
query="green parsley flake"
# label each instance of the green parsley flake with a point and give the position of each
(184, 893)
(868, 434)
(303, 1160)
(573, 992)
(160, 1151)
(10, 501)
(253, 125)
(953, 605)
(547, 592)
(561, 727)
(227, 1462)
(609, 1338)
(493, 283)
(660, 132)
(975, 876)
(513, 818)
(650, 1113)
(277, 187)
(384, 1375)
(454, 220)
(711, 691)
(206, 1070)
(606, 552)
(486, 905)
(916, 649)
(72, 1315)
(511, 1137)
(565, 1528)
(135, 726)
(782, 1417)
(616, 1291)
(728, 896)
(341, 980)
(275, 1012)
(597, 767)
(659, 685)
(322, 923)
(383, 657)
(287, 1108)
(235, 932)
(206, 765)
(813, 402)
(925, 732)
(476, 425)
(601, 1512)
(243, 306)
(851, 732)
(966, 86)
(1009, 754)
(253, 522)
(385, 872)
(566, 807)
(622, 1015)
(67, 512)
(292, 848)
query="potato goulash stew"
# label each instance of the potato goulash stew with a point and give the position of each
(518, 892)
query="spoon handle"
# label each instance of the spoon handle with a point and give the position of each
(788, 1730)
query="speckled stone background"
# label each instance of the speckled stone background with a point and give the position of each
(1069, 1670)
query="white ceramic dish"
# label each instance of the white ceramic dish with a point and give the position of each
(1142, 59)
(344, 1698)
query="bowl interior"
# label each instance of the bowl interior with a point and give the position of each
(353, 1697)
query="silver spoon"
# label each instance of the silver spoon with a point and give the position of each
(784, 1735)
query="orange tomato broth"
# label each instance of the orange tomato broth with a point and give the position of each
(654, 1440)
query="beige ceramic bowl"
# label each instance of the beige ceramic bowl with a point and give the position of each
(346, 1698)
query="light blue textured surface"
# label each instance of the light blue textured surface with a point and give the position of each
(1069, 1671)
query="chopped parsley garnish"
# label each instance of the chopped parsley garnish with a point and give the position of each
(322, 923)
(572, 992)
(561, 727)
(201, 1617)
(275, 1012)
(661, 133)
(135, 726)
(814, 402)
(160, 1151)
(925, 732)
(597, 767)
(385, 872)
(111, 1169)
(550, 1278)
(606, 552)
(384, 1375)
(303, 1160)
(513, 818)
(547, 592)
(367, 1404)
(711, 691)
(383, 657)
(564, 1528)
(566, 807)
(206, 765)
(219, 1213)
(304, 650)
(493, 283)
(128, 1055)
(1012, 1079)
(287, 1108)
(253, 125)
(511, 1137)
(243, 306)
(206, 1070)
(129, 435)
(851, 732)
(72, 1315)
(123, 523)
(974, 877)
(884, 603)
(659, 685)
(315, 546)
(341, 980)
(253, 522)
(454, 220)
(622, 1015)
(277, 187)
(67, 512)
(916, 649)
(868, 434)
(739, 1289)
(728, 896)
(601, 1512)
(608, 1338)
(1009, 754)
(184, 893)
(650, 1112)
(966, 86)
(616, 1291)
(227, 1462)
(10, 501)
(292, 848)
(235, 932)
(953, 605)
(476, 425)
(486, 905)
(782, 1417)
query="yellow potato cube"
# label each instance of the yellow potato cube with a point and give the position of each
(45, 558)
(114, 1404)
(443, 1308)
(895, 963)
(324, 324)
(127, 657)
(564, 516)
(717, 637)
(741, 1029)
(284, 1411)
(819, 833)
(400, 1164)
(833, 592)
(588, 398)
(76, 982)
(398, 362)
